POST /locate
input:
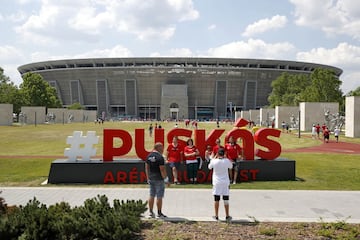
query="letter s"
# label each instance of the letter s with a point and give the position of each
(261, 138)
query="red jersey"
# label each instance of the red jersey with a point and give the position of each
(317, 128)
(232, 151)
(188, 150)
(216, 149)
(174, 153)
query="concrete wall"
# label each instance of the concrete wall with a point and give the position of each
(245, 115)
(314, 112)
(63, 115)
(33, 115)
(266, 116)
(284, 113)
(6, 114)
(255, 116)
(352, 116)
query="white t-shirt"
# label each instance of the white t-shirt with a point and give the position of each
(220, 177)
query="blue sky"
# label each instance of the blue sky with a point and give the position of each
(321, 31)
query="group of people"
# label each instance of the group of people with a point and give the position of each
(316, 129)
(223, 160)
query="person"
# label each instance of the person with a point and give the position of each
(233, 152)
(318, 130)
(337, 133)
(157, 178)
(208, 153)
(192, 164)
(313, 131)
(216, 148)
(326, 134)
(221, 182)
(150, 129)
(174, 157)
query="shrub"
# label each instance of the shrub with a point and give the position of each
(96, 219)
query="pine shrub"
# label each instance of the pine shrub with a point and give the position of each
(95, 219)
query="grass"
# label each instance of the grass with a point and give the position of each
(27, 152)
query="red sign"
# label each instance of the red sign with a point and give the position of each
(267, 149)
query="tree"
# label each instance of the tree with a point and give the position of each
(9, 92)
(321, 86)
(355, 92)
(324, 87)
(37, 92)
(287, 89)
(76, 106)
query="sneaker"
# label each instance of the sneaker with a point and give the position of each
(228, 218)
(216, 218)
(161, 215)
(234, 182)
(152, 215)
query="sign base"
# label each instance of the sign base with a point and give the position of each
(132, 171)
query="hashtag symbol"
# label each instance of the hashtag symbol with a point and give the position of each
(81, 146)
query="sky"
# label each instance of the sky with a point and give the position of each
(322, 31)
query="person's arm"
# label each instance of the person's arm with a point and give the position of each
(164, 174)
(147, 170)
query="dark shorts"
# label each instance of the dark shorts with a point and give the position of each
(175, 164)
(157, 188)
(236, 165)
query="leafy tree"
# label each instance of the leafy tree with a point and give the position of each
(355, 92)
(324, 87)
(9, 92)
(76, 106)
(290, 89)
(37, 92)
(287, 89)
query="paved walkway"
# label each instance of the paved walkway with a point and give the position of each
(197, 204)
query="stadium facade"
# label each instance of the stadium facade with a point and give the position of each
(167, 88)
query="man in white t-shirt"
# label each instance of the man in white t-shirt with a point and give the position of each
(221, 182)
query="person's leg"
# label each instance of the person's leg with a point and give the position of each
(236, 170)
(159, 198)
(151, 204)
(174, 172)
(195, 171)
(189, 172)
(151, 199)
(226, 205)
(216, 206)
(159, 205)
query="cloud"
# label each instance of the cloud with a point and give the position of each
(74, 20)
(212, 27)
(253, 48)
(265, 25)
(10, 54)
(114, 52)
(344, 56)
(333, 17)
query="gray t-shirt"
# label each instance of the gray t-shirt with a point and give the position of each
(155, 160)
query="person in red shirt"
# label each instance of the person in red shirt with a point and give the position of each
(234, 153)
(326, 134)
(318, 130)
(174, 157)
(192, 165)
(216, 148)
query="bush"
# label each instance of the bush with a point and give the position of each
(96, 219)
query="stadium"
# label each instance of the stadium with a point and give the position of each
(166, 88)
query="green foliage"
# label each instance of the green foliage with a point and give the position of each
(9, 93)
(37, 92)
(355, 92)
(291, 89)
(76, 106)
(96, 219)
(338, 230)
(287, 89)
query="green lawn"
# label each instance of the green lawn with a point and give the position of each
(314, 171)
